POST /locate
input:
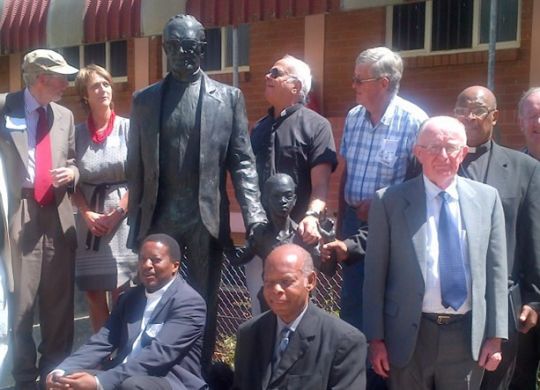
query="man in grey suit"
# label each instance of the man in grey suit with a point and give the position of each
(517, 179)
(296, 345)
(38, 149)
(435, 304)
(186, 132)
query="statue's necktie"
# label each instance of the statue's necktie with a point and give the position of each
(43, 189)
(451, 267)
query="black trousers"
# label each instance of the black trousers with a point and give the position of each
(203, 258)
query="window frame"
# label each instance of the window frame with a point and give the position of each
(476, 45)
(117, 79)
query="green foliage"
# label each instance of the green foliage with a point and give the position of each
(225, 350)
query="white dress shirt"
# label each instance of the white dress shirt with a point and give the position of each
(31, 115)
(432, 296)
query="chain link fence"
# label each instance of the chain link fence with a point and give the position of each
(235, 303)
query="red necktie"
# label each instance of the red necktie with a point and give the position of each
(43, 189)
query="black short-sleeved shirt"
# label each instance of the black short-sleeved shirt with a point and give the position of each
(302, 140)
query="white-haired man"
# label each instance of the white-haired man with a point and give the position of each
(295, 140)
(377, 147)
(37, 145)
(435, 305)
(529, 121)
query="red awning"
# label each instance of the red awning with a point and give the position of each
(23, 24)
(215, 13)
(29, 24)
(111, 20)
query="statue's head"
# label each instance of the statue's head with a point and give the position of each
(279, 195)
(184, 43)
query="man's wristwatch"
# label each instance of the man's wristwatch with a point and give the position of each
(313, 213)
(121, 211)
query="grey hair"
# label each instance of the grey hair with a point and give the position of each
(30, 78)
(525, 96)
(302, 72)
(384, 63)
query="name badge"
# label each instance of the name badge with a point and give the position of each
(15, 124)
(387, 153)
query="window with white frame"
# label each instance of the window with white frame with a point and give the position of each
(439, 26)
(110, 55)
(218, 56)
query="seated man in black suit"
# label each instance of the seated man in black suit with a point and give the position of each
(296, 345)
(153, 338)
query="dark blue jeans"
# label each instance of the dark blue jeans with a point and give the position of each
(353, 276)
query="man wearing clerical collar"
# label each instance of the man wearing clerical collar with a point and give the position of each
(154, 334)
(516, 176)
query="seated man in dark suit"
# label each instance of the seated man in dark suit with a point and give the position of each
(296, 345)
(153, 338)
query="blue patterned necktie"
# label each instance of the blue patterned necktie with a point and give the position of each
(451, 267)
(285, 333)
(284, 336)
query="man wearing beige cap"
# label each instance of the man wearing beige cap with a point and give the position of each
(37, 146)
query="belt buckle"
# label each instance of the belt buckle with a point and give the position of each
(443, 319)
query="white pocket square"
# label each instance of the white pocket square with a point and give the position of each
(13, 123)
(153, 329)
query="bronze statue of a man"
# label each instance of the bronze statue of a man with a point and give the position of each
(186, 132)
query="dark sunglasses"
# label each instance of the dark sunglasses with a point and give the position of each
(185, 45)
(275, 73)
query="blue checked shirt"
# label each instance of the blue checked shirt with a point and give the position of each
(378, 156)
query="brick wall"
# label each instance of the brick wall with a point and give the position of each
(432, 82)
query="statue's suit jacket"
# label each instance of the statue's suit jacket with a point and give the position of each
(324, 353)
(395, 264)
(171, 342)
(224, 146)
(14, 151)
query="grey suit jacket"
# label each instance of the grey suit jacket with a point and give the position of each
(14, 151)
(517, 178)
(395, 264)
(171, 342)
(225, 146)
(324, 353)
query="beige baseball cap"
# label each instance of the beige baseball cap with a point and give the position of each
(45, 60)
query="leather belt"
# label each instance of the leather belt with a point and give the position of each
(27, 193)
(445, 319)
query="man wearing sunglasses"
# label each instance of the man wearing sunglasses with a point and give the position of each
(294, 140)
(517, 178)
(377, 148)
(186, 132)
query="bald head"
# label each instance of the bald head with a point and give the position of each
(288, 277)
(476, 108)
(477, 94)
(440, 148)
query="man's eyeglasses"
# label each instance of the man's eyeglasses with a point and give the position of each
(477, 112)
(185, 46)
(275, 73)
(359, 81)
(451, 150)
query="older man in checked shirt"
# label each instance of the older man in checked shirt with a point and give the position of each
(377, 147)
